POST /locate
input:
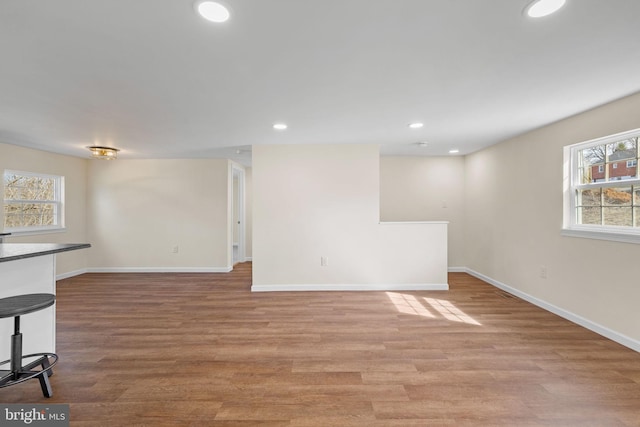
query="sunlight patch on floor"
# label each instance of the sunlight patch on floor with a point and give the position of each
(408, 304)
(450, 311)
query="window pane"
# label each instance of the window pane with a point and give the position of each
(636, 196)
(618, 216)
(611, 162)
(590, 197)
(593, 155)
(10, 193)
(621, 157)
(29, 188)
(591, 161)
(585, 175)
(617, 196)
(625, 149)
(590, 215)
(11, 221)
(29, 214)
(12, 179)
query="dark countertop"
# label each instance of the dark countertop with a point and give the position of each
(15, 251)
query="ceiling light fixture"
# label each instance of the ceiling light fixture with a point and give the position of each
(454, 151)
(212, 11)
(104, 153)
(540, 8)
(280, 126)
(422, 144)
(416, 125)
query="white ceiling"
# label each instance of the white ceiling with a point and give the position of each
(154, 79)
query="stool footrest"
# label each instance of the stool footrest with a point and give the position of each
(45, 360)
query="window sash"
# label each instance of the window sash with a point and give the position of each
(57, 202)
(576, 186)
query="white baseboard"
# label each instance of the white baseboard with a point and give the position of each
(144, 270)
(457, 269)
(586, 323)
(352, 287)
(70, 274)
(159, 270)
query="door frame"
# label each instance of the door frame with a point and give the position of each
(237, 172)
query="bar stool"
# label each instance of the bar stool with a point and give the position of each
(15, 307)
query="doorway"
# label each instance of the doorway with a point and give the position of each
(238, 240)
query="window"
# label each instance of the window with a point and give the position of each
(602, 199)
(32, 202)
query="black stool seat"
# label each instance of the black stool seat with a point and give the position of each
(15, 307)
(24, 304)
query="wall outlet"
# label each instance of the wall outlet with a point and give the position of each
(324, 261)
(543, 272)
(175, 249)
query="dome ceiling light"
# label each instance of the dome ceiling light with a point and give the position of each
(104, 153)
(540, 8)
(212, 11)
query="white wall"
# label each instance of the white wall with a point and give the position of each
(75, 172)
(134, 212)
(426, 189)
(248, 209)
(313, 201)
(140, 209)
(513, 222)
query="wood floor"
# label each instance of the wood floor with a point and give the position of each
(202, 350)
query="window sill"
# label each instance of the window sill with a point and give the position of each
(608, 234)
(20, 233)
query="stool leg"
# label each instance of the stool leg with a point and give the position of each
(16, 349)
(45, 385)
(45, 365)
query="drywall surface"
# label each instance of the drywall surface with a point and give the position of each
(319, 204)
(514, 217)
(160, 215)
(426, 189)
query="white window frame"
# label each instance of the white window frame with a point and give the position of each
(59, 206)
(572, 184)
(632, 163)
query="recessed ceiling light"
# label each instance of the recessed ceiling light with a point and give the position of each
(540, 8)
(212, 11)
(280, 126)
(454, 151)
(422, 143)
(416, 125)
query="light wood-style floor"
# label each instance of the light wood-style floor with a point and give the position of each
(202, 350)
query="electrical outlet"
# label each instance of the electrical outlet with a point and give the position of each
(543, 272)
(324, 261)
(175, 249)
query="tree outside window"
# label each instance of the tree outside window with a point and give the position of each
(32, 202)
